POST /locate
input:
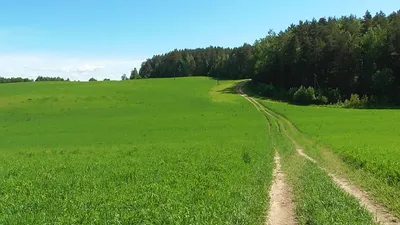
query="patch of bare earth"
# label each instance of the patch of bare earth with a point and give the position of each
(301, 153)
(381, 214)
(282, 209)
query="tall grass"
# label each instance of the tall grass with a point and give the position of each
(138, 152)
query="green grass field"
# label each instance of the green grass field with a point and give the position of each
(183, 151)
(163, 151)
(367, 139)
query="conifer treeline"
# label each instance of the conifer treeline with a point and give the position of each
(346, 55)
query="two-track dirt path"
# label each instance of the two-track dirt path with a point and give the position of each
(282, 206)
(381, 214)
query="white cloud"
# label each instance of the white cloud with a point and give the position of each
(81, 69)
(89, 68)
(31, 66)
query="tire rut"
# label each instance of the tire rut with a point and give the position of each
(380, 213)
(282, 209)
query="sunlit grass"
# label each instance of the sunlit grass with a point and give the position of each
(138, 152)
(365, 144)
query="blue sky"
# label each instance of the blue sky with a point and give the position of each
(87, 38)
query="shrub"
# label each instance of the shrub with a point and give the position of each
(334, 95)
(304, 95)
(137, 76)
(291, 92)
(364, 101)
(321, 99)
(356, 102)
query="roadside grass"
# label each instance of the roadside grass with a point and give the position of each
(225, 91)
(318, 199)
(337, 138)
(137, 152)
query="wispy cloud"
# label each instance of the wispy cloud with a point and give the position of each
(81, 69)
(89, 68)
(31, 66)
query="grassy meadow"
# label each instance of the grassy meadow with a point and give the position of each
(366, 141)
(318, 200)
(162, 151)
(182, 151)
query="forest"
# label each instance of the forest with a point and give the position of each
(38, 79)
(338, 58)
(14, 80)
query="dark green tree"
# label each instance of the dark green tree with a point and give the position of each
(134, 74)
(124, 77)
(337, 57)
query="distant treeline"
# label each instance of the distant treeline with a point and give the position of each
(14, 80)
(38, 79)
(212, 61)
(337, 57)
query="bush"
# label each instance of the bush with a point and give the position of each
(137, 76)
(304, 95)
(356, 102)
(334, 95)
(364, 101)
(322, 100)
(291, 93)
